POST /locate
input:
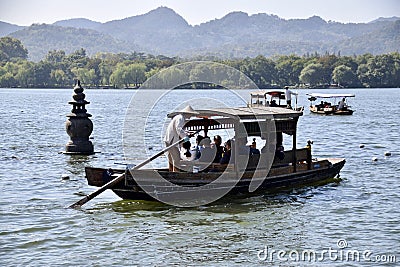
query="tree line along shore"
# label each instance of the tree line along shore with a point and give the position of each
(109, 70)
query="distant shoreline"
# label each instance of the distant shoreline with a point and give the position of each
(133, 89)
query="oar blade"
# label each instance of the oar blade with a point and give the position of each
(89, 197)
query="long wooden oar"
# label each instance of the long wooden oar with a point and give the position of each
(116, 180)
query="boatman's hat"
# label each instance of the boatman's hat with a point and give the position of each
(187, 110)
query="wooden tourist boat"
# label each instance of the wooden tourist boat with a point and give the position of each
(273, 98)
(334, 107)
(272, 171)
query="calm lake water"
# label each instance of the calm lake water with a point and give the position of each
(359, 214)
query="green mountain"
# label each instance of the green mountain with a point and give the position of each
(380, 41)
(79, 23)
(160, 31)
(385, 19)
(41, 38)
(163, 31)
(7, 28)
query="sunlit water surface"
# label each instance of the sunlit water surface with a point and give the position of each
(37, 230)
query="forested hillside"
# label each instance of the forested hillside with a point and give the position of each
(7, 28)
(121, 70)
(42, 38)
(237, 35)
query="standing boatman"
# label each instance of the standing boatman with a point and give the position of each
(175, 132)
(288, 96)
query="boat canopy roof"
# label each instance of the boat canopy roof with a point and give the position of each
(252, 117)
(245, 113)
(264, 93)
(258, 93)
(319, 95)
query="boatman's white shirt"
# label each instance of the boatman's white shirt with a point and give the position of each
(288, 94)
(175, 130)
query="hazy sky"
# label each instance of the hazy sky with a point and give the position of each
(26, 12)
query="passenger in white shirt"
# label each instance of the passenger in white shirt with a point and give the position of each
(342, 104)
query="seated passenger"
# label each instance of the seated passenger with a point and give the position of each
(227, 153)
(342, 104)
(218, 147)
(321, 106)
(280, 152)
(186, 145)
(207, 152)
(198, 150)
(253, 148)
(244, 149)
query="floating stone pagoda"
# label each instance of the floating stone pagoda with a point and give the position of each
(78, 125)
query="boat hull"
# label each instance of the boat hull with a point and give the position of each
(331, 111)
(277, 180)
(343, 112)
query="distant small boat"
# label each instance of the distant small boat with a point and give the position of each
(273, 98)
(332, 107)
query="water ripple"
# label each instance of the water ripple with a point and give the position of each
(37, 230)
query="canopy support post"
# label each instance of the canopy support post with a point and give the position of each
(294, 159)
